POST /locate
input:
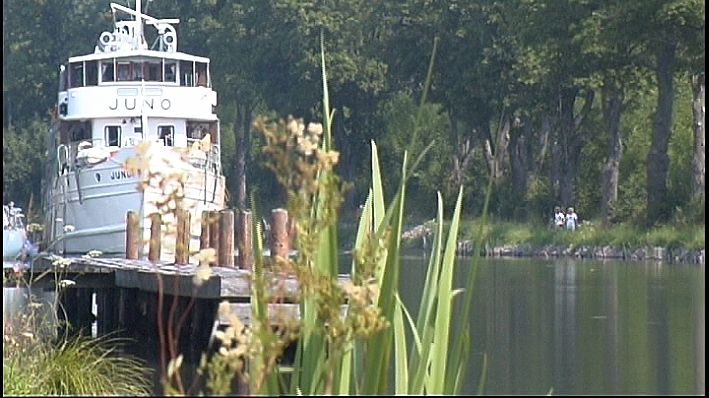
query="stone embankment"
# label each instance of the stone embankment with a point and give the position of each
(422, 235)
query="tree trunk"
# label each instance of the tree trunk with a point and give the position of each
(461, 160)
(519, 157)
(544, 138)
(657, 159)
(495, 148)
(612, 109)
(571, 141)
(242, 134)
(698, 165)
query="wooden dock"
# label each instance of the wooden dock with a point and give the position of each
(138, 297)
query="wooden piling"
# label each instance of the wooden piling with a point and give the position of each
(226, 238)
(244, 240)
(107, 307)
(292, 232)
(204, 233)
(214, 232)
(132, 235)
(279, 233)
(128, 310)
(155, 237)
(182, 245)
(84, 316)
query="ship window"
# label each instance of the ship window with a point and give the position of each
(123, 70)
(166, 134)
(80, 134)
(107, 71)
(186, 77)
(170, 71)
(76, 74)
(201, 72)
(137, 69)
(91, 73)
(112, 135)
(152, 71)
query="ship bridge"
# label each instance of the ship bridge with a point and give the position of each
(125, 77)
(126, 92)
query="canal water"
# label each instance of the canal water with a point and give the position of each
(565, 326)
(586, 327)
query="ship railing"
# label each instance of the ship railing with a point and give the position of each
(85, 152)
(12, 217)
(92, 151)
(207, 160)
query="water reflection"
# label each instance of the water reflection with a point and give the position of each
(564, 325)
(610, 305)
(581, 327)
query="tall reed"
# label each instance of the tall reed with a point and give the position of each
(351, 336)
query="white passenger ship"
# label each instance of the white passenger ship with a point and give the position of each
(124, 94)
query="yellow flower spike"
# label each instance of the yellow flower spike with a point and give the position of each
(293, 128)
(315, 128)
(202, 274)
(206, 256)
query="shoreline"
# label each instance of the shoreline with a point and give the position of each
(670, 255)
(420, 236)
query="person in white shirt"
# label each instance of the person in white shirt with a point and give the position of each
(572, 219)
(559, 217)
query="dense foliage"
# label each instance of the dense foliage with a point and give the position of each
(593, 104)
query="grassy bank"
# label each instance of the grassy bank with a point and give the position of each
(77, 366)
(690, 237)
(74, 366)
(36, 362)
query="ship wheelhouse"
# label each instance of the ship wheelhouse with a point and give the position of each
(122, 99)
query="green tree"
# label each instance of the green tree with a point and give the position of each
(666, 28)
(22, 162)
(398, 118)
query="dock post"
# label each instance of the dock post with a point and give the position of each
(245, 244)
(155, 237)
(127, 311)
(226, 238)
(182, 244)
(84, 316)
(279, 233)
(214, 232)
(132, 235)
(204, 233)
(107, 317)
(292, 232)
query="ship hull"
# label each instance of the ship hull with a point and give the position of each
(88, 207)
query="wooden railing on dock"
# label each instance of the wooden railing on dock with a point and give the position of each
(224, 231)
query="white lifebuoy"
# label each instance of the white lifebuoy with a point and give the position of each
(106, 37)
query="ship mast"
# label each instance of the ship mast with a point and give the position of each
(139, 19)
(166, 32)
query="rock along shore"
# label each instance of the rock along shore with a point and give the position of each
(423, 236)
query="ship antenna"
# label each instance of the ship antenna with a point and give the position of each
(139, 19)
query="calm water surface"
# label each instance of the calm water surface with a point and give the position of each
(569, 326)
(579, 326)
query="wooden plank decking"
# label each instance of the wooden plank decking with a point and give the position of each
(227, 283)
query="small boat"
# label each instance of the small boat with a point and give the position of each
(14, 235)
(113, 103)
